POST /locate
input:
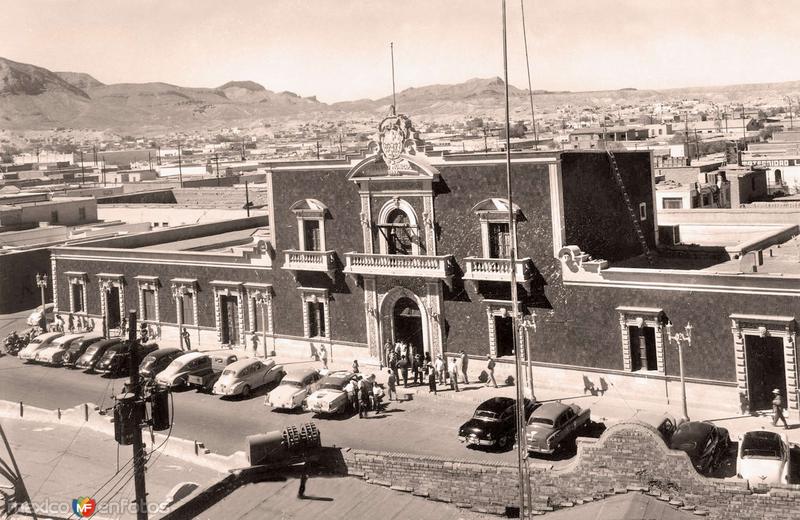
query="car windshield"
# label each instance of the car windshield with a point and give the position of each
(91, 350)
(766, 445)
(542, 420)
(486, 415)
(334, 384)
(35, 341)
(295, 384)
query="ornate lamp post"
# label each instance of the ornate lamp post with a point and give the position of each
(178, 292)
(680, 338)
(527, 324)
(262, 299)
(41, 283)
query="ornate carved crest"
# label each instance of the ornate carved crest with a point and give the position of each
(393, 133)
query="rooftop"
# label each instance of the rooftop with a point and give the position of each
(221, 242)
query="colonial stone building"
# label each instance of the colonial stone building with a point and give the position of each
(403, 244)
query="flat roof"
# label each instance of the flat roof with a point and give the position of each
(220, 242)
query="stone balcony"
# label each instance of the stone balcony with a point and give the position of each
(320, 261)
(417, 266)
(498, 270)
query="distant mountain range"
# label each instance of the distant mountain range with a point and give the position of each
(33, 98)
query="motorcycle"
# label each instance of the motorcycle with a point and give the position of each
(14, 343)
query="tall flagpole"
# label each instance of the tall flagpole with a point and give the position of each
(522, 447)
(530, 87)
(394, 98)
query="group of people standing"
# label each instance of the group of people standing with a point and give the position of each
(365, 394)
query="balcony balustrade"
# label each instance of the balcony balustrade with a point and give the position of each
(420, 266)
(497, 269)
(320, 261)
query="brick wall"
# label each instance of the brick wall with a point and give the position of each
(18, 270)
(628, 457)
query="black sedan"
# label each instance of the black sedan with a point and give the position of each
(705, 444)
(116, 359)
(89, 359)
(158, 360)
(494, 423)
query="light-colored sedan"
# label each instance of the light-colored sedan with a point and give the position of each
(763, 458)
(331, 397)
(245, 375)
(294, 388)
(52, 353)
(177, 372)
(38, 343)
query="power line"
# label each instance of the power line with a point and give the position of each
(528, 65)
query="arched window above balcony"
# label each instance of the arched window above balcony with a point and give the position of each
(398, 229)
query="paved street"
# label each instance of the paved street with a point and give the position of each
(418, 426)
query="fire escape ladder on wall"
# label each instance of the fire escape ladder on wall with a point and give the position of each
(634, 217)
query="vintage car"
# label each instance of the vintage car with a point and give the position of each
(552, 424)
(95, 352)
(52, 353)
(177, 372)
(664, 423)
(205, 379)
(158, 360)
(294, 388)
(245, 375)
(705, 443)
(116, 359)
(77, 348)
(331, 397)
(38, 343)
(35, 317)
(494, 423)
(763, 458)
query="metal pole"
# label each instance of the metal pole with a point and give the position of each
(23, 492)
(42, 285)
(103, 170)
(528, 350)
(394, 98)
(247, 198)
(180, 321)
(520, 408)
(138, 447)
(683, 382)
(216, 160)
(180, 169)
(83, 173)
(528, 65)
(264, 326)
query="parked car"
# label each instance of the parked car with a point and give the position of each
(55, 349)
(705, 443)
(245, 375)
(763, 458)
(38, 343)
(77, 348)
(116, 359)
(177, 372)
(293, 389)
(664, 423)
(552, 424)
(205, 379)
(158, 360)
(331, 397)
(92, 355)
(35, 317)
(494, 423)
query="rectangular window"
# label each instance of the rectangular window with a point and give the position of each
(316, 319)
(258, 313)
(54, 217)
(81, 213)
(672, 203)
(312, 236)
(188, 309)
(148, 304)
(77, 298)
(643, 211)
(499, 240)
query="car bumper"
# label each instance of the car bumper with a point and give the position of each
(533, 448)
(284, 405)
(473, 440)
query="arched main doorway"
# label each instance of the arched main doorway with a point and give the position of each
(407, 322)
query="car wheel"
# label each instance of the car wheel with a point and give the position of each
(246, 391)
(502, 442)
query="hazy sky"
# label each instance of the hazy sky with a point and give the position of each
(339, 49)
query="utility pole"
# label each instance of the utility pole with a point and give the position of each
(791, 121)
(247, 198)
(686, 134)
(83, 173)
(103, 170)
(138, 446)
(318, 148)
(180, 169)
(149, 161)
(744, 131)
(485, 141)
(94, 151)
(41, 282)
(216, 160)
(340, 145)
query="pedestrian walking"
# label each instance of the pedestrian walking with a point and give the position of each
(440, 369)
(403, 366)
(391, 386)
(363, 392)
(377, 397)
(356, 396)
(355, 366)
(351, 389)
(464, 365)
(490, 369)
(398, 350)
(186, 339)
(431, 379)
(416, 369)
(777, 409)
(387, 353)
(323, 356)
(427, 365)
(454, 375)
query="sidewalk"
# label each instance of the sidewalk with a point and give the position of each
(60, 463)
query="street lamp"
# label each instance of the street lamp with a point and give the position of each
(41, 283)
(680, 338)
(527, 324)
